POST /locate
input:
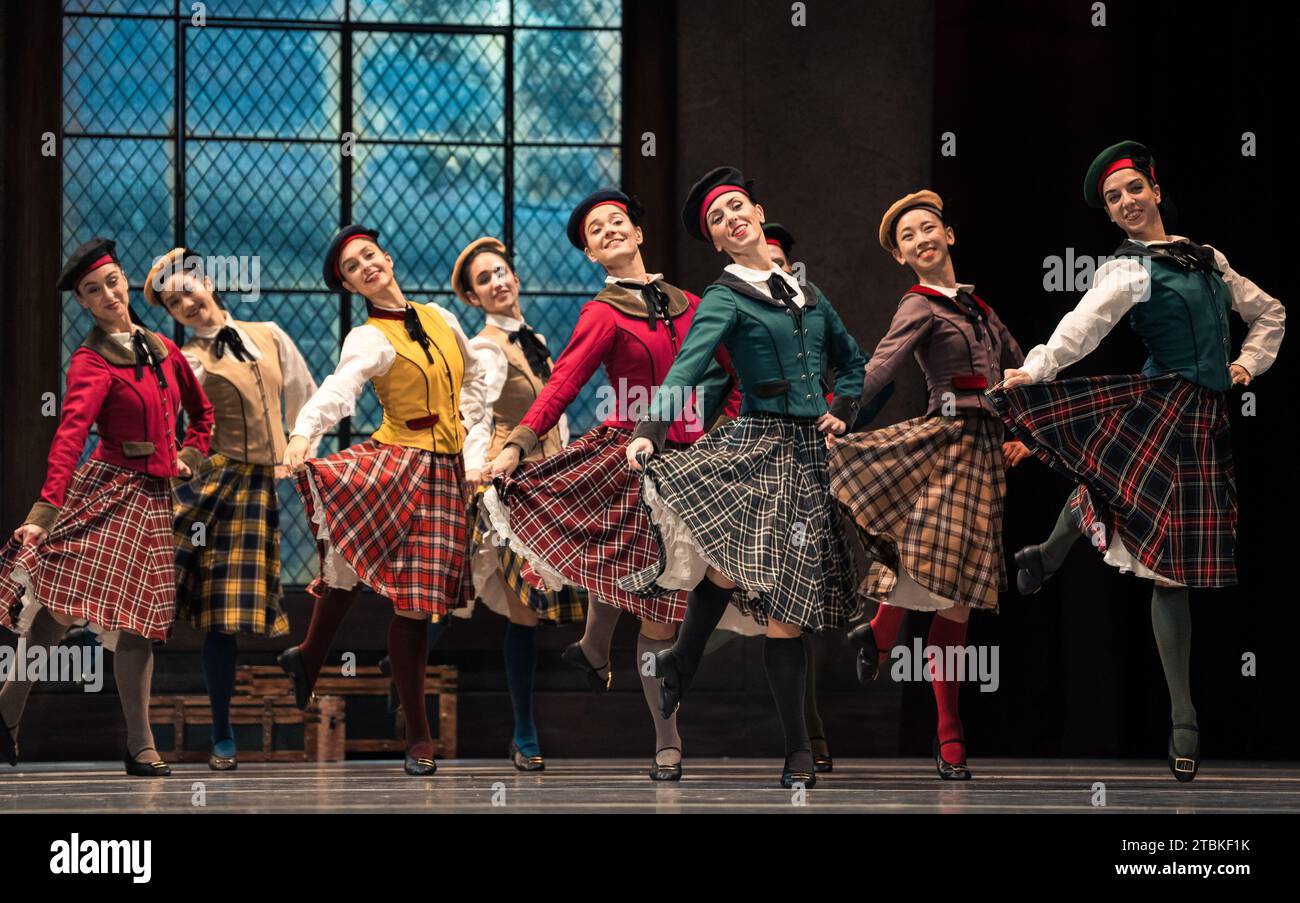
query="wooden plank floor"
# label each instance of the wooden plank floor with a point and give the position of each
(620, 785)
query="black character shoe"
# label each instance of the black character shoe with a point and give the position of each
(792, 774)
(291, 661)
(525, 763)
(575, 657)
(158, 769)
(947, 770)
(420, 766)
(1032, 575)
(822, 761)
(868, 663)
(1185, 767)
(671, 684)
(8, 744)
(671, 772)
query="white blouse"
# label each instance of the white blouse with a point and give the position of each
(1123, 282)
(367, 354)
(758, 279)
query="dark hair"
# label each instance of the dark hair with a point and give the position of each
(473, 255)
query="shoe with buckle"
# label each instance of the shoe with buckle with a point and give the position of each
(291, 661)
(947, 770)
(575, 657)
(670, 682)
(224, 756)
(791, 777)
(157, 769)
(8, 743)
(1032, 575)
(523, 762)
(420, 766)
(1184, 768)
(671, 772)
(822, 761)
(868, 664)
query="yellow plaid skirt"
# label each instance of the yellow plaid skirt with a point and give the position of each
(566, 606)
(227, 531)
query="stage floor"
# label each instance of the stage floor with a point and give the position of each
(620, 785)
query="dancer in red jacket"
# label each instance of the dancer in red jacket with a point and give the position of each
(97, 546)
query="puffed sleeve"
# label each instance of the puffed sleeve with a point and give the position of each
(478, 432)
(1264, 315)
(199, 415)
(365, 355)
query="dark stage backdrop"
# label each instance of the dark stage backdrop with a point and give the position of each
(835, 119)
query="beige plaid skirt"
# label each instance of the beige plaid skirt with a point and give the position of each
(927, 497)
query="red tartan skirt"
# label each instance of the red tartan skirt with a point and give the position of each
(109, 560)
(396, 515)
(578, 515)
(1154, 463)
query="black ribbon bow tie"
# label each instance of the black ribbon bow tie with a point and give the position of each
(227, 337)
(144, 358)
(974, 313)
(1191, 256)
(782, 291)
(656, 303)
(535, 351)
(415, 329)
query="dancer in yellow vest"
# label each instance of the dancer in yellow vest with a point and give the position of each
(389, 512)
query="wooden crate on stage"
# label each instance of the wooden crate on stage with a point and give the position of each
(266, 730)
(367, 693)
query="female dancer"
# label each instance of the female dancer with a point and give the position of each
(97, 547)
(751, 501)
(516, 366)
(1151, 451)
(228, 569)
(575, 516)
(389, 512)
(927, 494)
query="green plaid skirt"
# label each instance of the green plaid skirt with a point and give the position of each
(565, 606)
(227, 531)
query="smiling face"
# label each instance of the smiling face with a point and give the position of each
(365, 268)
(493, 286)
(190, 300)
(922, 241)
(104, 292)
(612, 240)
(1131, 202)
(735, 223)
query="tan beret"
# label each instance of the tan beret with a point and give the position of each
(924, 198)
(494, 244)
(164, 266)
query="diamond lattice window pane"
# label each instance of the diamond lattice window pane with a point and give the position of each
(589, 13)
(278, 202)
(298, 561)
(429, 87)
(433, 12)
(310, 320)
(118, 75)
(428, 202)
(270, 83)
(567, 86)
(315, 10)
(146, 7)
(548, 182)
